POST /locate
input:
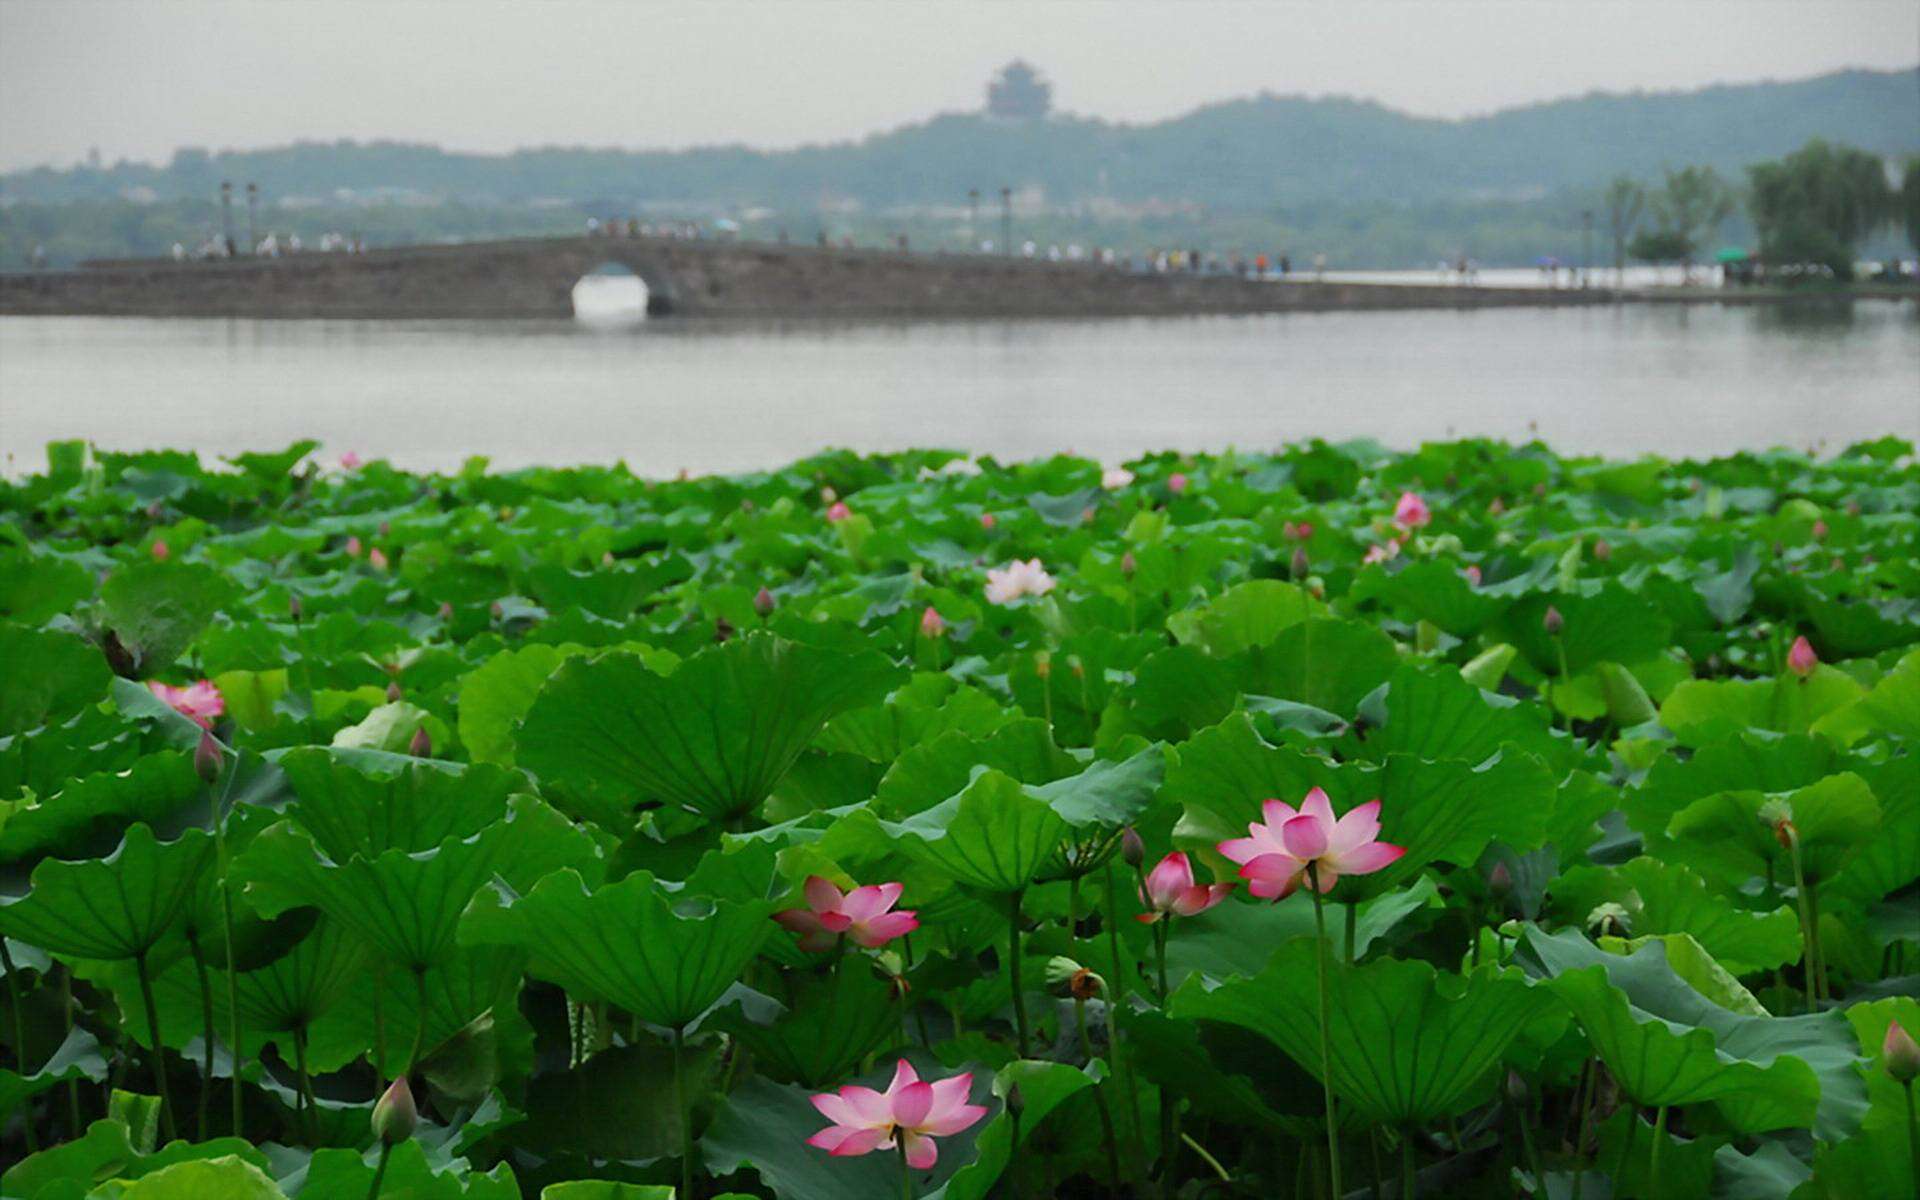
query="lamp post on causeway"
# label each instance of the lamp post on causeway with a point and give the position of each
(973, 217)
(253, 214)
(1586, 245)
(1006, 219)
(226, 214)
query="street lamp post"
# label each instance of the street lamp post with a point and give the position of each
(1586, 245)
(973, 217)
(1006, 219)
(226, 214)
(253, 214)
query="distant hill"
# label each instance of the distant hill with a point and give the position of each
(1242, 155)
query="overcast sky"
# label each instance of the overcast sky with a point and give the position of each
(137, 78)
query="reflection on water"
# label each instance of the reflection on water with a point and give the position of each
(733, 395)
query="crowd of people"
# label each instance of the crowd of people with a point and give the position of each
(270, 246)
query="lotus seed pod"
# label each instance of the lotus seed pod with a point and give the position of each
(394, 1115)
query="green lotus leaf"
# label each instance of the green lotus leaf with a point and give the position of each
(412, 807)
(301, 986)
(107, 1153)
(601, 1189)
(1181, 688)
(1436, 714)
(224, 1178)
(1244, 616)
(1704, 710)
(996, 835)
(933, 771)
(377, 1019)
(34, 587)
(713, 738)
(78, 1057)
(1327, 664)
(348, 1175)
(628, 943)
(1240, 939)
(408, 905)
(1436, 591)
(1610, 624)
(1891, 860)
(1408, 1044)
(828, 1029)
(1891, 706)
(1662, 897)
(158, 608)
(1835, 817)
(1669, 1045)
(500, 691)
(90, 808)
(118, 907)
(49, 675)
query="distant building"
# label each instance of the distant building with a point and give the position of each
(1019, 93)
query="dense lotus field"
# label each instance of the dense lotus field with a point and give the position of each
(1334, 822)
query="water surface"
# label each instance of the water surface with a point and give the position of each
(724, 396)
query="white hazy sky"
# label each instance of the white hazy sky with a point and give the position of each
(137, 78)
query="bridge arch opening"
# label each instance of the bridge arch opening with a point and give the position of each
(611, 295)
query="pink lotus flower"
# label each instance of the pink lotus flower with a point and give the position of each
(1169, 889)
(1303, 532)
(353, 547)
(1472, 572)
(861, 914)
(1382, 552)
(915, 1112)
(377, 559)
(1801, 659)
(986, 520)
(1900, 1053)
(838, 511)
(1176, 483)
(349, 461)
(1017, 579)
(1819, 530)
(160, 550)
(1411, 512)
(198, 702)
(932, 624)
(1275, 855)
(1115, 478)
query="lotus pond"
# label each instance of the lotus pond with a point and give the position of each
(1470, 822)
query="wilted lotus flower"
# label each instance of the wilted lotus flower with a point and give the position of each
(838, 511)
(932, 624)
(915, 1112)
(198, 702)
(1901, 1053)
(353, 547)
(1115, 478)
(1801, 659)
(1177, 483)
(349, 461)
(1018, 579)
(1275, 855)
(160, 550)
(1169, 890)
(763, 602)
(1411, 512)
(862, 914)
(394, 1115)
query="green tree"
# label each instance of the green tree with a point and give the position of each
(1814, 206)
(1910, 201)
(1693, 203)
(1661, 246)
(1625, 201)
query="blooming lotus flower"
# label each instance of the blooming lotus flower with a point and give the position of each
(1115, 478)
(1801, 659)
(932, 624)
(1275, 854)
(1176, 483)
(198, 702)
(1018, 579)
(838, 511)
(861, 914)
(1411, 512)
(1169, 890)
(1382, 552)
(913, 1111)
(349, 461)
(160, 550)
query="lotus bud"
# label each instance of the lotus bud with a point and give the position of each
(394, 1116)
(1015, 1101)
(1129, 565)
(1086, 515)
(1176, 483)
(1819, 531)
(1499, 881)
(393, 691)
(1316, 587)
(1043, 665)
(986, 520)
(1133, 848)
(1901, 1053)
(1838, 564)
(1472, 572)
(1602, 551)
(206, 758)
(606, 558)
(1300, 564)
(1801, 659)
(377, 559)
(722, 629)
(932, 624)
(763, 602)
(293, 607)
(746, 504)
(353, 547)
(160, 551)
(420, 745)
(1786, 833)
(1553, 622)
(386, 529)
(1516, 1087)
(120, 660)
(1497, 507)
(445, 611)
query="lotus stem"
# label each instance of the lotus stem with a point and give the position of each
(1809, 933)
(906, 1172)
(307, 1100)
(919, 1017)
(73, 1085)
(1116, 1004)
(380, 1022)
(206, 1032)
(1913, 1133)
(1353, 939)
(1626, 1150)
(420, 1024)
(1589, 1084)
(1209, 1159)
(1523, 1116)
(1326, 1053)
(1653, 1159)
(686, 1116)
(1409, 1177)
(219, 823)
(1819, 950)
(1080, 1027)
(19, 1037)
(380, 1170)
(1013, 971)
(153, 1031)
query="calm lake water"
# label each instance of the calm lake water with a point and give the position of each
(725, 396)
